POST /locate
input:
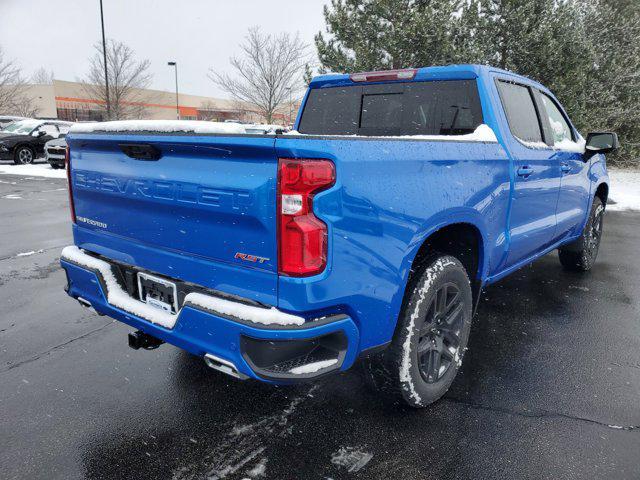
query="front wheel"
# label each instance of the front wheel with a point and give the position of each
(581, 255)
(431, 337)
(23, 156)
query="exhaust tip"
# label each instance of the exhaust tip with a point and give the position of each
(84, 303)
(224, 366)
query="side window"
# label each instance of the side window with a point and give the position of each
(559, 126)
(332, 111)
(50, 130)
(64, 129)
(521, 112)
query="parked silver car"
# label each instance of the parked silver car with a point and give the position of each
(54, 151)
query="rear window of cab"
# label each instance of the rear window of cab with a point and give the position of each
(443, 107)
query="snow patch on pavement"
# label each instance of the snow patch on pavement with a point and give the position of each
(13, 197)
(259, 470)
(29, 253)
(351, 458)
(624, 190)
(33, 170)
(242, 449)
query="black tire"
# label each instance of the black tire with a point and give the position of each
(580, 255)
(424, 356)
(24, 155)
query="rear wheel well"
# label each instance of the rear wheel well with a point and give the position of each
(460, 240)
(603, 192)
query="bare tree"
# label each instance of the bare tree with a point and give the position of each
(270, 69)
(42, 77)
(208, 111)
(14, 92)
(127, 79)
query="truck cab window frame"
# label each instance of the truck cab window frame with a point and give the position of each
(514, 105)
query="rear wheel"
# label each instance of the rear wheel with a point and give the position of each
(431, 336)
(581, 254)
(23, 156)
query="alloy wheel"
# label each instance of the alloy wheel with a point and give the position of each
(595, 232)
(439, 337)
(25, 156)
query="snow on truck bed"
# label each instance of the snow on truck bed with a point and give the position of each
(161, 126)
(483, 133)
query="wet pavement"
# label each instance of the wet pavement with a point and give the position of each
(550, 386)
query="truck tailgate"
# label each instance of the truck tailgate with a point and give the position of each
(207, 198)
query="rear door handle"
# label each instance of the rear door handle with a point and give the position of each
(566, 168)
(524, 171)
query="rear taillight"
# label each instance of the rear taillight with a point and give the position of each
(302, 241)
(384, 76)
(67, 163)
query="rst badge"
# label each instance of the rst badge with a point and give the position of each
(250, 258)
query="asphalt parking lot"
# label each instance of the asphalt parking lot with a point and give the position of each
(550, 386)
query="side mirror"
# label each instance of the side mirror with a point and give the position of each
(40, 133)
(601, 142)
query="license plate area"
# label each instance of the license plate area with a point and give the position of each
(158, 292)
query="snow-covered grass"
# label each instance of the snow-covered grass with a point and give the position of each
(34, 170)
(624, 190)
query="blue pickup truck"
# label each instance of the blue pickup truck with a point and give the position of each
(365, 234)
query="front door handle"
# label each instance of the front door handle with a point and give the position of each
(524, 171)
(565, 168)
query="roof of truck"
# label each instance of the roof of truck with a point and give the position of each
(447, 72)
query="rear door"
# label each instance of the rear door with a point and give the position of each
(573, 199)
(532, 220)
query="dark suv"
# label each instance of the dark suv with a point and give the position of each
(23, 141)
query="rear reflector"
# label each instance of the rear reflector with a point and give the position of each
(67, 162)
(384, 76)
(302, 237)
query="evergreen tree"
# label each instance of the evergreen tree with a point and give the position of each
(383, 34)
(586, 51)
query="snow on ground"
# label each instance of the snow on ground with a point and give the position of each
(34, 170)
(353, 459)
(624, 190)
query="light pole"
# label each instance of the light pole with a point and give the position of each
(175, 66)
(104, 57)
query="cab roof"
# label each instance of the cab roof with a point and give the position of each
(448, 72)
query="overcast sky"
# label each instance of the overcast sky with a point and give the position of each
(198, 34)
